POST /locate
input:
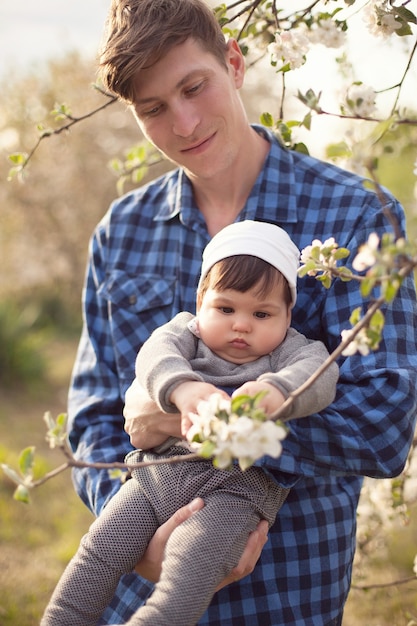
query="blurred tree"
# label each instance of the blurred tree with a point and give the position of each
(45, 225)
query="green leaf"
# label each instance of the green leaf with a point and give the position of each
(307, 121)
(18, 158)
(326, 280)
(341, 253)
(301, 147)
(310, 99)
(406, 14)
(390, 289)
(61, 420)
(116, 165)
(21, 494)
(138, 174)
(303, 271)
(366, 287)
(311, 265)
(14, 476)
(355, 316)
(239, 403)
(115, 474)
(378, 320)
(267, 120)
(26, 460)
(338, 150)
(207, 449)
(345, 274)
(404, 30)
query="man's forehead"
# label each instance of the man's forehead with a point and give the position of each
(179, 65)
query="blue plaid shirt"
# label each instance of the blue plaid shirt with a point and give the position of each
(145, 259)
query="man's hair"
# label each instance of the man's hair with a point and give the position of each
(243, 272)
(140, 32)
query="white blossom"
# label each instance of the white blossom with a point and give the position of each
(415, 565)
(237, 437)
(328, 34)
(361, 100)
(375, 509)
(379, 18)
(289, 48)
(410, 486)
(205, 422)
(316, 243)
(325, 250)
(359, 344)
(366, 256)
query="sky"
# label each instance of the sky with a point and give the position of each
(31, 31)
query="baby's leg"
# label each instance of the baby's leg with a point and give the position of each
(198, 556)
(112, 547)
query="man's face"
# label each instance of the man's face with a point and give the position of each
(188, 106)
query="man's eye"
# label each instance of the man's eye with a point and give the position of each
(194, 89)
(151, 112)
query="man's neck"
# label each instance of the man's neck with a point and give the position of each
(220, 200)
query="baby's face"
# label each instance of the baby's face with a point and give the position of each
(241, 327)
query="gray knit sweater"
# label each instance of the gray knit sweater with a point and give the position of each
(173, 355)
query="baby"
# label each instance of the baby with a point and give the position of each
(239, 340)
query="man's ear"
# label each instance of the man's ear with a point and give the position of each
(236, 62)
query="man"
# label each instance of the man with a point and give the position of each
(169, 60)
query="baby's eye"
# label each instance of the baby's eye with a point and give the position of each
(261, 315)
(226, 309)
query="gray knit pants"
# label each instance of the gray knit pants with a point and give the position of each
(199, 553)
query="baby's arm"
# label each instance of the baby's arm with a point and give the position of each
(164, 361)
(292, 364)
(166, 382)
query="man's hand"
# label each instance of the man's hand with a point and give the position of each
(145, 423)
(150, 565)
(252, 552)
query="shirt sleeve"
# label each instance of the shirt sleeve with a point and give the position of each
(369, 427)
(96, 394)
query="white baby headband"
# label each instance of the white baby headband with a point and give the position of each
(265, 241)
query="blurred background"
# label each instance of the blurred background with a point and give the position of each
(48, 55)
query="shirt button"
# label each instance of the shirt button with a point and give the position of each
(132, 299)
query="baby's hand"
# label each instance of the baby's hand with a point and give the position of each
(270, 402)
(188, 395)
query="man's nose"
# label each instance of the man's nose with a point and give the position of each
(185, 120)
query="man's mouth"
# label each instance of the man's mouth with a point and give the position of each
(198, 146)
